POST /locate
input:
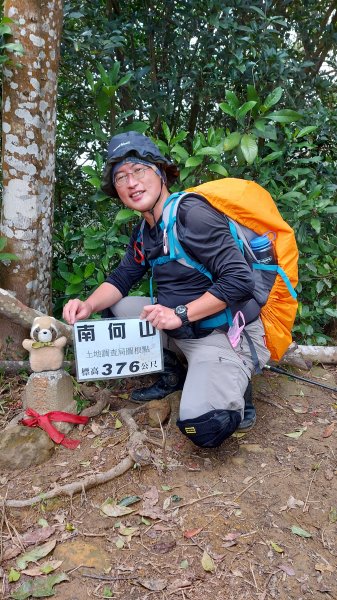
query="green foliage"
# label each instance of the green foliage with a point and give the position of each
(241, 91)
(6, 256)
(7, 47)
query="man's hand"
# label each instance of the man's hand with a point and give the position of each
(75, 310)
(160, 316)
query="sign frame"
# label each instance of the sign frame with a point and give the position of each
(134, 360)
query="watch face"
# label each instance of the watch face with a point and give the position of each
(181, 310)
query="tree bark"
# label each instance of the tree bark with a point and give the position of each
(28, 155)
(14, 311)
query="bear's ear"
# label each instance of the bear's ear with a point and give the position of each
(36, 320)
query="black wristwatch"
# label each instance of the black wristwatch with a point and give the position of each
(181, 311)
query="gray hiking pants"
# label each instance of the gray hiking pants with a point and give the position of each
(218, 374)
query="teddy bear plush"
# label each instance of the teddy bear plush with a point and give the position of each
(45, 347)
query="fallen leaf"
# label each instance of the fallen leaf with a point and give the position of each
(119, 543)
(207, 562)
(151, 496)
(324, 567)
(328, 474)
(299, 409)
(118, 424)
(329, 430)
(164, 547)
(184, 564)
(155, 585)
(112, 509)
(28, 539)
(44, 569)
(166, 488)
(128, 530)
(236, 573)
(189, 533)
(96, 429)
(238, 434)
(333, 515)
(43, 523)
(276, 547)
(39, 587)
(292, 503)
(231, 536)
(107, 592)
(13, 575)
(301, 532)
(178, 584)
(129, 500)
(287, 569)
(166, 503)
(35, 554)
(154, 513)
(247, 479)
(297, 433)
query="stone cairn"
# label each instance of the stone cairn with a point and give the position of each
(49, 388)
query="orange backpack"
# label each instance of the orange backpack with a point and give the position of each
(250, 205)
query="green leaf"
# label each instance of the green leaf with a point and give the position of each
(129, 500)
(13, 575)
(316, 225)
(35, 554)
(208, 151)
(249, 148)
(276, 547)
(194, 161)
(284, 116)
(23, 592)
(107, 592)
(3, 242)
(252, 93)
(332, 312)
(167, 132)
(226, 108)
(246, 107)
(301, 532)
(232, 141)
(216, 168)
(124, 215)
(89, 270)
(73, 288)
(184, 564)
(306, 130)
(118, 424)
(272, 98)
(272, 156)
(8, 256)
(232, 99)
(124, 80)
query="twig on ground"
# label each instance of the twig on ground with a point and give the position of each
(138, 453)
(196, 500)
(304, 509)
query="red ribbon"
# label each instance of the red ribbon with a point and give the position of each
(44, 421)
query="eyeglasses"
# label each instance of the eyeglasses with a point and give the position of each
(121, 179)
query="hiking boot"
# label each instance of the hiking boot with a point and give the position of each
(171, 380)
(249, 415)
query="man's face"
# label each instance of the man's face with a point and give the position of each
(138, 186)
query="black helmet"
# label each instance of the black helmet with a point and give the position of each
(136, 144)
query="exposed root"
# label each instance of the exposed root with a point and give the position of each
(137, 453)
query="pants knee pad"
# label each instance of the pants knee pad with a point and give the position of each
(212, 428)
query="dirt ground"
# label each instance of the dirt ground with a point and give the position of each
(253, 519)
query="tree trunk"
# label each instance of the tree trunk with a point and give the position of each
(28, 157)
